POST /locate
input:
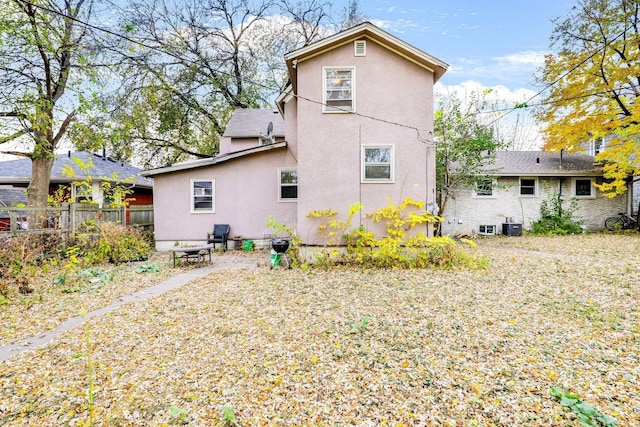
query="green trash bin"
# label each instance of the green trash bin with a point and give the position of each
(275, 258)
(248, 245)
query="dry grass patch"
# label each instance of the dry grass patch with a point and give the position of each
(355, 347)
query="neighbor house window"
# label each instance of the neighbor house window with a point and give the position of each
(202, 196)
(288, 184)
(339, 91)
(484, 188)
(82, 193)
(596, 146)
(583, 188)
(487, 229)
(528, 187)
(377, 163)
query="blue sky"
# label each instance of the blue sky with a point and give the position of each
(490, 42)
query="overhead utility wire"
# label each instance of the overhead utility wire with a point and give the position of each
(565, 74)
(554, 101)
(418, 130)
(282, 92)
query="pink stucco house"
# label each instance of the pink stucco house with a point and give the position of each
(355, 125)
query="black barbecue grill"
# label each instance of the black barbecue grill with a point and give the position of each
(280, 247)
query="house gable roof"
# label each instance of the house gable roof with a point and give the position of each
(19, 171)
(366, 30)
(211, 161)
(543, 163)
(253, 122)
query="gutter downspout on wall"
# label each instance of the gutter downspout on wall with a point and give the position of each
(560, 196)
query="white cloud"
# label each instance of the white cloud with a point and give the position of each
(528, 57)
(498, 93)
(516, 126)
(514, 69)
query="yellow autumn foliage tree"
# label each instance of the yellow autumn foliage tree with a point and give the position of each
(593, 82)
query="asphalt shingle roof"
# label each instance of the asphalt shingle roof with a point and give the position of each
(253, 122)
(19, 171)
(544, 163)
(11, 196)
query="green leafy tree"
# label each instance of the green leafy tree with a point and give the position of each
(465, 145)
(44, 54)
(187, 66)
(593, 81)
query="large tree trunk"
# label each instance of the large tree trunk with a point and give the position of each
(38, 190)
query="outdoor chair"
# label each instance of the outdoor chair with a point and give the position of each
(220, 235)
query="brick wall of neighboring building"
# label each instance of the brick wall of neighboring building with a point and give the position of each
(467, 213)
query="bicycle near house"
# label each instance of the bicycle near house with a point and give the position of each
(621, 222)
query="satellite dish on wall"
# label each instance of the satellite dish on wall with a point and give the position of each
(269, 138)
(270, 130)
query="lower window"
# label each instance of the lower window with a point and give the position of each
(377, 163)
(288, 184)
(202, 196)
(484, 187)
(487, 229)
(583, 188)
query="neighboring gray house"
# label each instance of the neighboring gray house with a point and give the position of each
(16, 174)
(524, 179)
(249, 127)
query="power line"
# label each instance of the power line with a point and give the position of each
(264, 86)
(378, 119)
(565, 74)
(554, 101)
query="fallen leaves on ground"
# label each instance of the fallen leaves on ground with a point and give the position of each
(91, 288)
(358, 347)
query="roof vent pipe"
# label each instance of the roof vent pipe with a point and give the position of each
(538, 160)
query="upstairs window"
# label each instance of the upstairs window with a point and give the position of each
(596, 146)
(288, 184)
(202, 196)
(377, 163)
(339, 90)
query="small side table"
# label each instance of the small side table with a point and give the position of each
(237, 242)
(191, 252)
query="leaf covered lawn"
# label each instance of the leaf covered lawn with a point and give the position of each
(358, 347)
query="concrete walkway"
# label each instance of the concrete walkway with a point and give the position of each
(224, 262)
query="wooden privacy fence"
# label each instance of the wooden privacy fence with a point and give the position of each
(67, 218)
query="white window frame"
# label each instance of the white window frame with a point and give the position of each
(535, 187)
(364, 164)
(92, 195)
(594, 150)
(574, 188)
(280, 185)
(486, 196)
(192, 196)
(484, 231)
(326, 108)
